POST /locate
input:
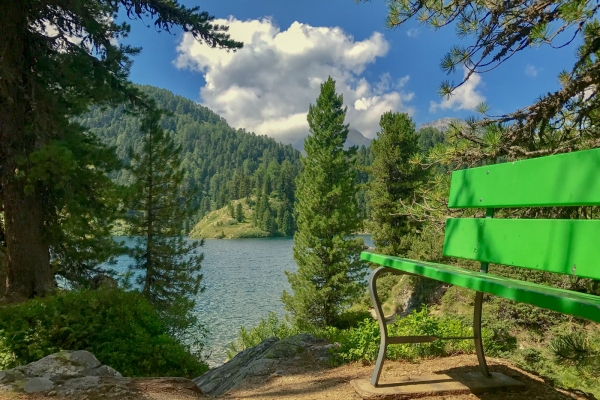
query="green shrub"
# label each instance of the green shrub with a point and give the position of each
(266, 328)
(120, 328)
(571, 358)
(362, 343)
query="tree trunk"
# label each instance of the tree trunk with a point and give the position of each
(29, 273)
(28, 269)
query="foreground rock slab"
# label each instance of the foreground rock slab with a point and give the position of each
(65, 371)
(269, 358)
(417, 386)
(79, 375)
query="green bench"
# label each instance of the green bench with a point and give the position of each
(564, 246)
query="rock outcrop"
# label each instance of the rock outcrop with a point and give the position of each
(79, 375)
(62, 373)
(271, 357)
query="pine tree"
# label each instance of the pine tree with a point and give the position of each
(81, 206)
(330, 271)
(287, 228)
(167, 265)
(57, 60)
(394, 180)
(239, 212)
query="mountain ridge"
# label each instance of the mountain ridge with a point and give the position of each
(441, 124)
(355, 138)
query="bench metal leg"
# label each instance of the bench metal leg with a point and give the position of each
(477, 332)
(386, 340)
(381, 319)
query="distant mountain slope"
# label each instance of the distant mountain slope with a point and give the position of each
(355, 138)
(441, 124)
(221, 162)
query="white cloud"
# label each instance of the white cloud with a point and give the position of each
(465, 97)
(530, 70)
(267, 86)
(413, 32)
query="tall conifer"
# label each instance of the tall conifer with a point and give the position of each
(57, 59)
(330, 270)
(394, 180)
(168, 265)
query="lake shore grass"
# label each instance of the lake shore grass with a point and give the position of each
(219, 224)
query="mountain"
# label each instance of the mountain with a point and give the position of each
(355, 138)
(441, 124)
(222, 163)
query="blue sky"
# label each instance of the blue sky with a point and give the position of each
(292, 46)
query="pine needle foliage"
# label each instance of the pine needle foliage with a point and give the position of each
(330, 274)
(394, 179)
(167, 265)
(491, 33)
(58, 59)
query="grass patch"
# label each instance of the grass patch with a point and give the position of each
(220, 225)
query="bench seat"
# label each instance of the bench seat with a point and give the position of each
(561, 300)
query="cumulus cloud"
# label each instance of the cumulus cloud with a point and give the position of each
(267, 86)
(465, 97)
(413, 32)
(532, 71)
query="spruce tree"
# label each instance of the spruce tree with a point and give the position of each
(167, 265)
(287, 228)
(57, 59)
(330, 271)
(394, 180)
(239, 212)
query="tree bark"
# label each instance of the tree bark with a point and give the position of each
(28, 270)
(29, 273)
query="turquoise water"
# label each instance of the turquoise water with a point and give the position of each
(244, 280)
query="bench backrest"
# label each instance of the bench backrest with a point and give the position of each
(556, 245)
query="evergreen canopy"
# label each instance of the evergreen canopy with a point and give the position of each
(330, 270)
(394, 182)
(58, 58)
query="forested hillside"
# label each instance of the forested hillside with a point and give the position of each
(223, 163)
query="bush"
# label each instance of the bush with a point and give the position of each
(120, 328)
(266, 328)
(362, 343)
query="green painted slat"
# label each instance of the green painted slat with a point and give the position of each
(564, 301)
(564, 246)
(561, 180)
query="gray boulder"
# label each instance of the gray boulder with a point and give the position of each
(78, 375)
(267, 358)
(53, 372)
(35, 385)
(64, 363)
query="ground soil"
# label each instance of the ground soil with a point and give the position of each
(306, 381)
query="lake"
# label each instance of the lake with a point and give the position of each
(244, 280)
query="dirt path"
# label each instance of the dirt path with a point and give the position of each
(304, 382)
(334, 384)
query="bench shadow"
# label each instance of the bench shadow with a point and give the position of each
(533, 387)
